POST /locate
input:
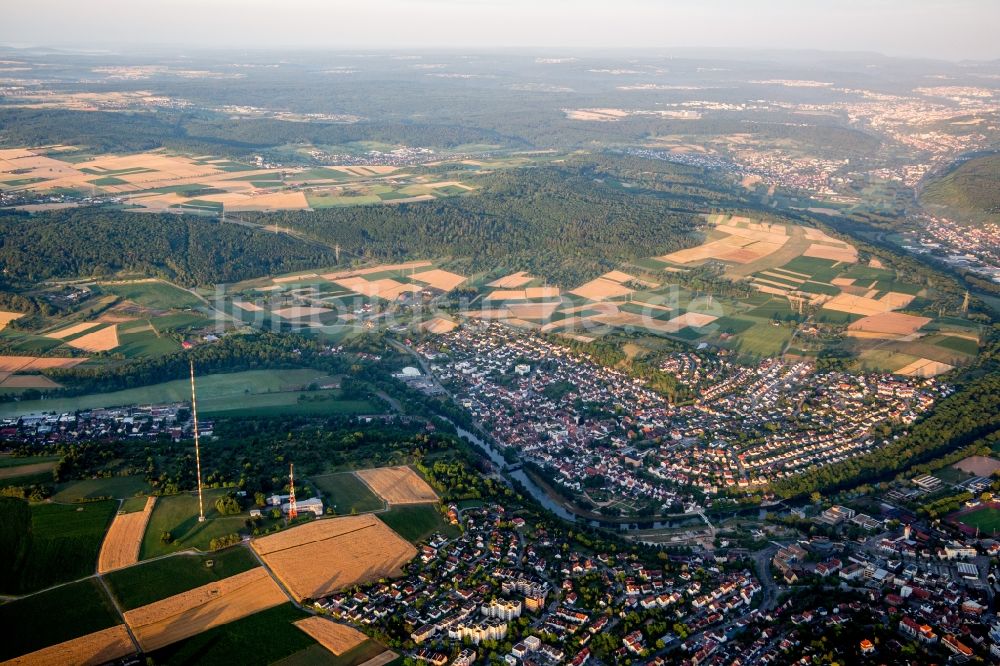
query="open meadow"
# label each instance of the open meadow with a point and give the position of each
(47, 544)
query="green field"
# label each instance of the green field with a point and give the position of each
(119, 487)
(159, 295)
(145, 583)
(986, 520)
(215, 392)
(417, 522)
(18, 461)
(764, 339)
(346, 493)
(178, 514)
(57, 615)
(263, 638)
(305, 403)
(47, 544)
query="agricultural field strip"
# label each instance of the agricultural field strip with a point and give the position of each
(124, 538)
(91, 649)
(188, 613)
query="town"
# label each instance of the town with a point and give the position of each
(616, 444)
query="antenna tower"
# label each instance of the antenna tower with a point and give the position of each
(197, 446)
(293, 510)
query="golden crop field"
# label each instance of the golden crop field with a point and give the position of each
(335, 637)
(93, 649)
(124, 537)
(398, 485)
(189, 613)
(324, 556)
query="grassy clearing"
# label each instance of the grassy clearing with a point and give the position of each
(417, 522)
(215, 392)
(119, 487)
(763, 339)
(262, 639)
(178, 515)
(55, 616)
(347, 494)
(47, 544)
(160, 295)
(306, 403)
(151, 581)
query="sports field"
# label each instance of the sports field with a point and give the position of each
(985, 519)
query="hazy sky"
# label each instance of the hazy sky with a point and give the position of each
(951, 29)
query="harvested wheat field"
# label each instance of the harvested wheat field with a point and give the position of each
(29, 381)
(439, 279)
(512, 281)
(541, 292)
(890, 323)
(506, 295)
(25, 363)
(375, 269)
(398, 485)
(856, 305)
(324, 556)
(249, 307)
(532, 310)
(297, 312)
(381, 659)
(188, 613)
(438, 325)
(845, 253)
(93, 649)
(72, 330)
(337, 638)
(601, 289)
(105, 339)
(121, 543)
(7, 317)
(924, 367)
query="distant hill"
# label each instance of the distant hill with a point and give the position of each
(969, 193)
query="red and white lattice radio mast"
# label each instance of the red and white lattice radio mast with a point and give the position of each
(293, 510)
(197, 448)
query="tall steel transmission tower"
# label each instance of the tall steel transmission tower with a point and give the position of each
(197, 446)
(293, 510)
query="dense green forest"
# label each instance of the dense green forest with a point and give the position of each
(187, 249)
(564, 223)
(970, 192)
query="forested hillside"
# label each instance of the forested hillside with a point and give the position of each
(969, 192)
(566, 224)
(185, 249)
